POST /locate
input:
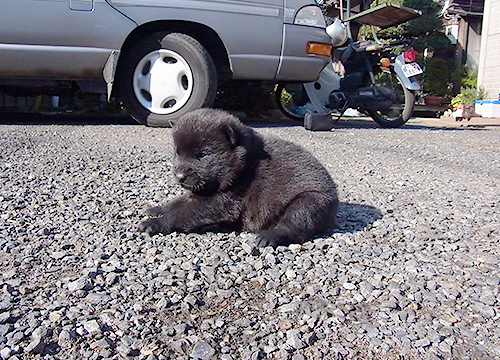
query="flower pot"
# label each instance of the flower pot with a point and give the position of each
(433, 100)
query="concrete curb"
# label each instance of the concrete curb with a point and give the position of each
(471, 121)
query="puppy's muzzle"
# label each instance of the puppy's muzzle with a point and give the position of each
(182, 173)
(181, 176)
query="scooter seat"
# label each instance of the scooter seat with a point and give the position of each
(344, 53)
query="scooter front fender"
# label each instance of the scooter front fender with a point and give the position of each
(409, 83)
(319, 91)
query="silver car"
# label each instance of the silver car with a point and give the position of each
(162, 58)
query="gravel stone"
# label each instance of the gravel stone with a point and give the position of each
(293, 338)
(92, 326)
(79, 284)
(65, 339)
(6, 352)
(202, 350)
(36, 346)
(411, 271)
(4, 329)
(422, 342)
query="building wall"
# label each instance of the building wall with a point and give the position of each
(489, 61)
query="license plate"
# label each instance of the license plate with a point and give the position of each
(412, 69)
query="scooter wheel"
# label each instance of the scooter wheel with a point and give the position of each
(399, 113)
(292, 100)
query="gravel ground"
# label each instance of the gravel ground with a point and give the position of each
(412, 272)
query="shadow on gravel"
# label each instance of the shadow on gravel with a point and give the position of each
(367, 123)
(356, 123)
(355, 217)
(64, 119)
(18, 118)
(458, 127)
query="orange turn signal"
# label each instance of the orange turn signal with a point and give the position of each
(316, 48)
(385, 62)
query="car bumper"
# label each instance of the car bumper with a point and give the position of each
(295, 63)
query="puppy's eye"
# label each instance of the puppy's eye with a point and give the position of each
(201, 154)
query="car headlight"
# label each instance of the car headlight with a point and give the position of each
(310, 16)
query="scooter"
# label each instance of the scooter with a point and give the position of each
(375, 82)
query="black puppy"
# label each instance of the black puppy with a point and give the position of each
(239, 180)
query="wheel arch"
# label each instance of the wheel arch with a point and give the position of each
(207, 37)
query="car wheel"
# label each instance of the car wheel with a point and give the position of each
(166, 76)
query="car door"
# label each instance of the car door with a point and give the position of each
(251, 30)
(59, 38)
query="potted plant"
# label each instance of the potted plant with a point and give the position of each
(436, 81)
(463, 103)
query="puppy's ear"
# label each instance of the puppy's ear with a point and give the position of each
(232, 134)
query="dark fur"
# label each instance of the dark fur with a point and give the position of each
(239, 180)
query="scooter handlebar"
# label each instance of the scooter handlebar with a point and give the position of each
(403, 42)
(382, 47)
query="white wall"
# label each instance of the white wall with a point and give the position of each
(489, 59)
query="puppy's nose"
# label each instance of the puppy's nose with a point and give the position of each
(181, 176)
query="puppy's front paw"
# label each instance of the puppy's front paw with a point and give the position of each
(155, 211)
(152, 226)
(267, 238)
(274, 238)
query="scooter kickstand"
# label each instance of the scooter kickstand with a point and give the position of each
(342, 111)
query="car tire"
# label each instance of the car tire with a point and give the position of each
(165, 76)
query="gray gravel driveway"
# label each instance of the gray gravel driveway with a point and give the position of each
(412, 272)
